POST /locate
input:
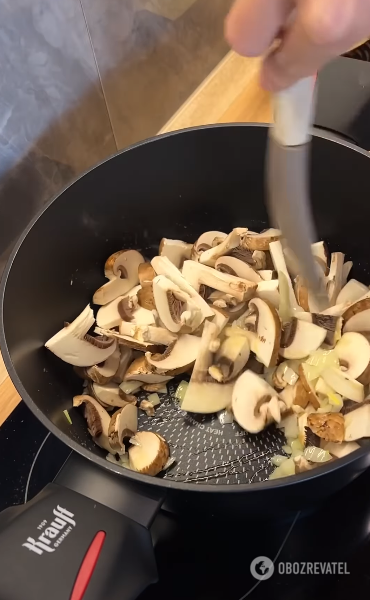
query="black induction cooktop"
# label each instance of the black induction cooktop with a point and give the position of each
(327, 550)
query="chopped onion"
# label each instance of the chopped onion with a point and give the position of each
(129, 387)
(286, 469)
(289, 376)
(278, 460)
(181, 390)
(66, 414)
(162, 390)
(320, 360)
(285, 310)
(296, 447)
(225, 417)
(122, 461)
(287, 449)
(317, 455)
(154, 399)
(290, 426)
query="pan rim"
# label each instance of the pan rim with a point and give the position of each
(102, 462)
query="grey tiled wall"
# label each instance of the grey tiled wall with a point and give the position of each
(81, 78)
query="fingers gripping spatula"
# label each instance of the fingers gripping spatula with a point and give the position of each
(288, 178)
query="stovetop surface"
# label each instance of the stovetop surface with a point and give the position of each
(210, 559)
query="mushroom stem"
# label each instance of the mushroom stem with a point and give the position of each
(197, 274)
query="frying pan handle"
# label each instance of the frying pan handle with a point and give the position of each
(293, 113)
(67, 546)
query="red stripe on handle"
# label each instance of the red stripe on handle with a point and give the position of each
(88, 566)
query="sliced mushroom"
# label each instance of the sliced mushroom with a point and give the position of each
(343, 384)
(233, 240)
(175, 250)
(299, 339)
(129, 341)
(340, 450)
(269, 290)
(221, 318)
(230, 358)
(204, 394)
(126, 357)
(123, 425)
(305, 298)
(146, 274)
(300, 395)
(147, 407)
(277, 255)
(104, 372)
(255, 403)
(222, 300)
(357, 423)
(346, 270)
(145, 297)
(351, 292)
(260, 241)
(178, 357)
(163, 266)
(357, 316)
(197, 274)
(267, 274)
(259, 259)
(320, 253)
(170, 302)
(308, 386)
(141, 370)
(335, 277)
(353, 351)
(109, 394)
(205, 242)
(268, 332)
(234, 266)
(328, 426)
(147, 333)
(121, 268)
(97, 420)
(149, 454)
(108, 316)
(333, 325)
(75, 346)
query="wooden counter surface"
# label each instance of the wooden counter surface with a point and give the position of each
(230, 94)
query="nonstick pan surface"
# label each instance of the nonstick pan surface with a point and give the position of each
(177, 186)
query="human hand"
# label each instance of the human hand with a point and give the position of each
(311, 33)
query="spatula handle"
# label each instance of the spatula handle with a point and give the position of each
(293, 113)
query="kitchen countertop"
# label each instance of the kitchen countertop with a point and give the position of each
(230, 93)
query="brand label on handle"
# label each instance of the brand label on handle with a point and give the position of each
(53, 533)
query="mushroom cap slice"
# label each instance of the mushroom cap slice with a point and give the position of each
(145, 297)
(230, 358)
(351, 292)
(149, 454)
(357, 316)
(175, 250)
(146, 274)
(108, 316)
(205, 242)
(104, 372)
(121, 268)
(335, 277)
(261, 241)
(343, 384)
(353, 351)
(251, 399)
(328, 426)
(123, 424)
(268, 332)
(357, 423)
(332, 324)
(163, 266)
(170, 302)
(98, 420)
(235, 266)
(269, 290)
(204, 395)
(126, 357)
(231, 241)
(128, 340)
(73, 345)
(277, 255)
(147, 333)
(197, 274)
(109, 394)
(300, 339)
(180, 355)
(141, 370)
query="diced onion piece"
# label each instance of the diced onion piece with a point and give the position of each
(225, 417)
(181, 390)
(290, 376)
(129, 387)
(154, 399)
(317, 455)
(290, 426)
(288, 467)
(285, 310)
(278, 460)
(320, 360)
(287, 449)
(296, 446)
(344, 384)
(66, 414)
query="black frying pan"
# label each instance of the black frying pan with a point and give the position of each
(177, 186)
